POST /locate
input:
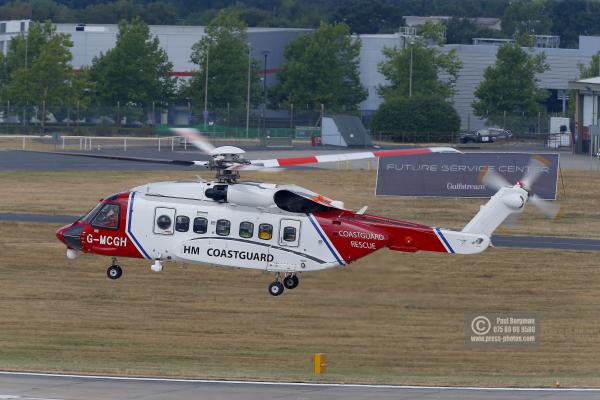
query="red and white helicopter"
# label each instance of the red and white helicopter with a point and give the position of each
(284, 229)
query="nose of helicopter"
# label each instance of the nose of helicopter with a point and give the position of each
(60, 233)
(70, 235)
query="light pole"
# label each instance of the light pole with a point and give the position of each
(410, 73)
(248, 91)
(265, 54)
(26, 50)
(205, 113)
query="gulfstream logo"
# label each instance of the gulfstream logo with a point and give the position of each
(464, 186)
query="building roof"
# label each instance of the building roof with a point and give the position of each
(595, 80)
(586, 85)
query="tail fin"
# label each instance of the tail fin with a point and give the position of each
(508, 200)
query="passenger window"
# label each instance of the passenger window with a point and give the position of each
(108, 217)
(164, 222)
(289, 234)
(265, 231)
(200, 225)
(182, 223)
(246, 229)
(223, 227)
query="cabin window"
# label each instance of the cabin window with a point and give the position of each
(246, 229)
(182, 223)
(265, 231)
(289, 234)
(107, 217)
(164, 222)
(223, 227)
(200, 225)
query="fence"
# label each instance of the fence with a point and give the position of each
(225, 122)
(97, 143)
(133, 120)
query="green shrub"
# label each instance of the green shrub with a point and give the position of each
(416, 115)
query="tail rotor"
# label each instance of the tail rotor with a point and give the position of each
(535, 169)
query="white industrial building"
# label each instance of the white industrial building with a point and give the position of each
(91, 40)
(563, 65)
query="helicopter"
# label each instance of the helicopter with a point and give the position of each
(283, 229)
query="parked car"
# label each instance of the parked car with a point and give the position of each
(498, 133)
(476, 137)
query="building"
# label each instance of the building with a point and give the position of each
(563, 63)
(268, 44)
(9, 29)
(91, 40)
(587, 110)
(494, 24)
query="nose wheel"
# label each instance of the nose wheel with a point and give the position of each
(114, 271)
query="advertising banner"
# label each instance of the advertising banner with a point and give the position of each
(459, 175)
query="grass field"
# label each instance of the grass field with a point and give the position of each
(390, 318)
(394, 318)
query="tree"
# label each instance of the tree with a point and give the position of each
(527, 17)
(462, 31)
(136, 71)
(366, 16)
(422, 78)
(42, 77)
(592, 70)
(226, 47)
(573, 18)
(322, 68)
(435, 117)
(510, 86)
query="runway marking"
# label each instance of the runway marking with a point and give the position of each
(11, 397)
(307, 384)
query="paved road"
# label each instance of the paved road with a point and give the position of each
(68, 387)
(531, 242)
(16, 160)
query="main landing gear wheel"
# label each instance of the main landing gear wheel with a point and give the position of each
(276, 288)
(114, 272)
(291, 281)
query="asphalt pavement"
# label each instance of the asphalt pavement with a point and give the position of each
(27, 386)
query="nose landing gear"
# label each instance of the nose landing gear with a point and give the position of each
(289, 282)
(114, 271)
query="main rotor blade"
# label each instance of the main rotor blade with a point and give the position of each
(285, 162)
(552, 210)
(493, 179)
(534, 169)
(195, 138)
(122, 158)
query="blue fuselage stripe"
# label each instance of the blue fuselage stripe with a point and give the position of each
(314, 223)
(439, 231)
(139, 246)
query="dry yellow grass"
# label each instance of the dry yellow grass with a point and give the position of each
(76, 192)
(392, 317)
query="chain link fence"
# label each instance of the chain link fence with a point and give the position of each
(296, 122)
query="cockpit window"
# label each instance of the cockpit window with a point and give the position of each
(107, 217)
(88, 217)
